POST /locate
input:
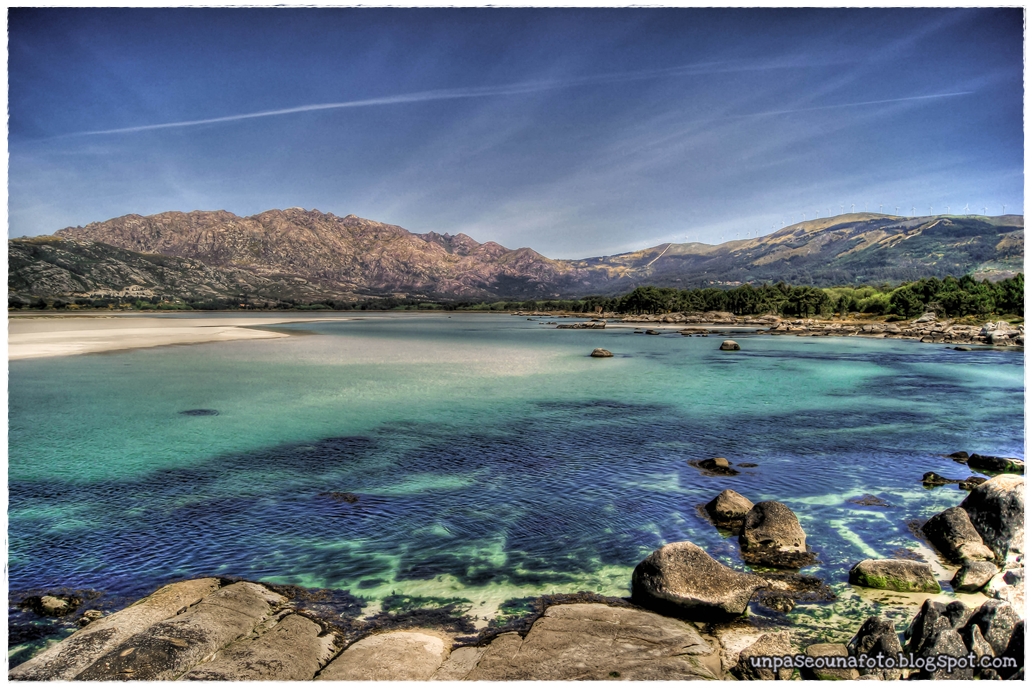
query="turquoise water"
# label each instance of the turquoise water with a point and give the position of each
(492, 458)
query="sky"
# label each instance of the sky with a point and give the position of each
(577, 132)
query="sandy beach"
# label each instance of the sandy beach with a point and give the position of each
(67, 335)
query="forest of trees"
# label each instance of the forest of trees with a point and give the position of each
(949, 297)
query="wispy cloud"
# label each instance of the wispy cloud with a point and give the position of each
(478, 92)
(859, 104)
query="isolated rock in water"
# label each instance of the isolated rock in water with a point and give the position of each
(718, 465)
(952, 534)
(901, 575)
(65, 660)
(997, 511)
(683, 579)
(996, 620)
(395, 656)
(876, 635)
(768, 646)
(54, 606)
(593, 642)
(973, 576)
(830, 663)
(729, 345)
(199, 412)
(652, 332)
(601, 353)
(771, 536)
(971, 482)
(728, 508)
(996, 464)
(960, 455)
(933, 479)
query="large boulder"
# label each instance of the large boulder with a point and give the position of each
(876, 636)
(901, 575)
(926, 622)
(973, 576)
(728, 509)
(997, 511)
(944, 640)
(771, 536)
(729, 345)
(601, 353)
(681, 578)
(996, 464)
(756, 662)
(952, 534)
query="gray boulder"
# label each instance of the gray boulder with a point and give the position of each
(973, 576)
(396, 656)
(952, 534)
(729, 345)
(771, 536)
(926, 621)
(681, 578)
(901, 575)
(876, 635)
(728, 509)
(997, 511)
(943, 640)
(601, 353)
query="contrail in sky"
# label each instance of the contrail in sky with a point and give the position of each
(510, 89)
(475, 92)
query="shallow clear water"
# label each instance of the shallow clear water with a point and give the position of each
(491, 456)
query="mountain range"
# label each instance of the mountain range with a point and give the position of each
(308, 255)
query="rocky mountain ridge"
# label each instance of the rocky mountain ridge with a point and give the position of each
(308, 255)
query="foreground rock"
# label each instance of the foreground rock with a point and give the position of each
(170, 648)
(66, 659)
(997, 511)
(601, 353)
(397, 656)
(901, 575)
(771, 536)
(830, 663)
(876, 636)
(953, 534)
(728, 509)
(752, 660)
(682, 579)
(596, 642)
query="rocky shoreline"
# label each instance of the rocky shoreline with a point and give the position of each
(687, 616)
(926, 329)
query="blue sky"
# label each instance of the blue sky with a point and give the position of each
(577, 132)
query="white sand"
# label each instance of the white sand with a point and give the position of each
(64, 335)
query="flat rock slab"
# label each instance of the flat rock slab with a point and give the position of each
(170, 648)
(66, 659)
(396, 656)
(595, 641)
(294, 649)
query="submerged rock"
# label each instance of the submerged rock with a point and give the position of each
(952, 533)
(933, 479)
(601, 353)
(996, 464)
(729, 345)
(728, 509)
(199, 412)
(971, 482)
(771, 536)
(715, 466)
(996, 509)
(683, 579)
(901, 575)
